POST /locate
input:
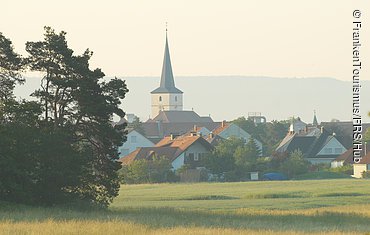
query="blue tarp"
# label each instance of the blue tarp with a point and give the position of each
(274, 176)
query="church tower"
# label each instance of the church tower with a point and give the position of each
(166, 97)
(315, 122)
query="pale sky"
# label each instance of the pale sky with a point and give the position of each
(285, 38)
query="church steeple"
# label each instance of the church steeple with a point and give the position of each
(167, 81)
(166, 97)
(315, 122)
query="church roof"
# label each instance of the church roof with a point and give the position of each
(176, 116)
(167, 82)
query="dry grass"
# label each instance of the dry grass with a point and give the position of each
(119, 227)
(293, 207)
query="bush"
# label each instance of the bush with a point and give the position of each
(346, 169)
(295, 164)
(366, 174)
(155, 170)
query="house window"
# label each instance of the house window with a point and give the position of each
(328, 150)
(196, 157)
(133, 139)
(191, 156)
(338, 150)
(176, 98)
(160, 98)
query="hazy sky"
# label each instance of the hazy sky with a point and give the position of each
(285, 38)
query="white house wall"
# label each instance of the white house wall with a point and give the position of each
(134, 140)
(335, 164)
(358, 169)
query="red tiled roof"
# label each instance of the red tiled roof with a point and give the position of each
(346, 157)
(148, 152)
(365, 159)
(221, 128)
(182, 142)
(129, 158)
(167, 147)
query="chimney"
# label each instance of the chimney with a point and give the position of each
(223, 124)
(195, 128)
(322, 129)
(172, 137)
(365, 150)
(211, 135)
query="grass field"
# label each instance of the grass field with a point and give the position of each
(340, 206)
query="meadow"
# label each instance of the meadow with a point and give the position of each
(337, 206)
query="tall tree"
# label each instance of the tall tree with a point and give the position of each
(10, 66)
(78, 108)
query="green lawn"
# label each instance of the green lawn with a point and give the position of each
(338, 206)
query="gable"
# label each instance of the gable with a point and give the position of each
(134, 137)
(234, 131)
(332, 147)
(204, 131)
(197, 147)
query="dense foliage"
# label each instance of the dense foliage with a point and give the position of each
(156, 170)
(63, 146)
(269, 133)
(233, 159)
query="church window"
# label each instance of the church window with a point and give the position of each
(160, 98)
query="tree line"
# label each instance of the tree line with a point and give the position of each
(61, 146)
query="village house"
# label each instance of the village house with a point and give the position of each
(345, 158)
(189, 149)
(228, 130)
(134, 141)
(316, 144)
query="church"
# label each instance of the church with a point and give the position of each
(167, 99)
(169, 119)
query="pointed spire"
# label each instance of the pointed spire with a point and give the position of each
(315, 122)
(167, 81)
